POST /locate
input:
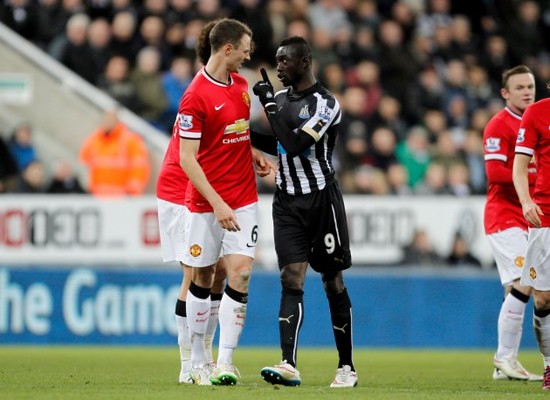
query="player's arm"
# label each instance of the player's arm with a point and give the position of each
(293, 143)
(497, 172)
(188, 160)
(264, 142)
(531, 211)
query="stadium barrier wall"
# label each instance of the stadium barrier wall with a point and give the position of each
(122, 306)
(72, 229)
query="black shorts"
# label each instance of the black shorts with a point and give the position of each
(313, 228)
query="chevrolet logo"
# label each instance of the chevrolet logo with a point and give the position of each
(239, 127)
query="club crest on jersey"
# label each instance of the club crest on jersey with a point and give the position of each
(533, 273)
(519, 261)
(521, 136)
(185, 121)
(492, 144)
(304, 112)
(246, 98)
(195, 250)
(325, 113)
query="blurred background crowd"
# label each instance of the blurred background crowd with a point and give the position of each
(417, 79)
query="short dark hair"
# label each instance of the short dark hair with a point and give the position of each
(218, 32)
(520, 69)
(301, 46)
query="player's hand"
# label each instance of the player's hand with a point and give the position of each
(263, 165)
(226, 217)
(264, 90)
(532, 212)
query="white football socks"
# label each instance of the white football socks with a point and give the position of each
(232, 317)
(211, 328)
(510, 326)
(198, 313)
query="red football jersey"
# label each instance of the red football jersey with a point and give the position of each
(502, 208)
(534, 140)
(172, 181)
(218, 115)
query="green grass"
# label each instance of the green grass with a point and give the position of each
(151, 373)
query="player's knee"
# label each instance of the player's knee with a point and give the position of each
(542, 300)
(291, 280)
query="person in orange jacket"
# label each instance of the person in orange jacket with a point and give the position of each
(117, 159)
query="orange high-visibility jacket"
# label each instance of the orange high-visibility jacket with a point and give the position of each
(118, 162)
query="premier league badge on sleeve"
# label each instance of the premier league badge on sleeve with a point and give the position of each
(521, 136)
(492, 145)
(324, 113)
(185, 122)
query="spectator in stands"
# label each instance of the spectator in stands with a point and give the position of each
(147, 79)
(21, 145)
(322, 45)
(524, 32)
(398, 180)
(398, 66)
(32, 179)
(442, 51)
(496, 58)
(151, 33)
(369, 180)
(474, 158)
(175, 82)
(174, 37)
(99, 39)
(458, 178)
(75, 51)
(155, 8)
(333, 78)
(434, 182)
(51, 22)
(117, 159)
(478, 87)
(420, 251)
(464, 43)
(364, 45)
(435, 123)
(366, 13)
(8, 168)
(445, 150)
(209, 10)
(402, 12)
(460, 253)
(425, 93)
(253, 13)
(180, 11)
(388, 114)
(438, 13)
(381, 149)
(22, 16)
(125, 40)
(366, 75)
(192, 33)
(64, 180)
(414, 154)
(116, 83)
(354, 130)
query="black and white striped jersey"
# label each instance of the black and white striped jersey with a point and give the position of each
(317, 112)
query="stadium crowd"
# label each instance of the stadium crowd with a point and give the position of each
(418, 79)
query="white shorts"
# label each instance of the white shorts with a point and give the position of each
(172, 228)
(207, 240)
(537, 260)
(509, 247)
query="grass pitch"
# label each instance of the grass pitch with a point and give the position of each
(151, 373)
